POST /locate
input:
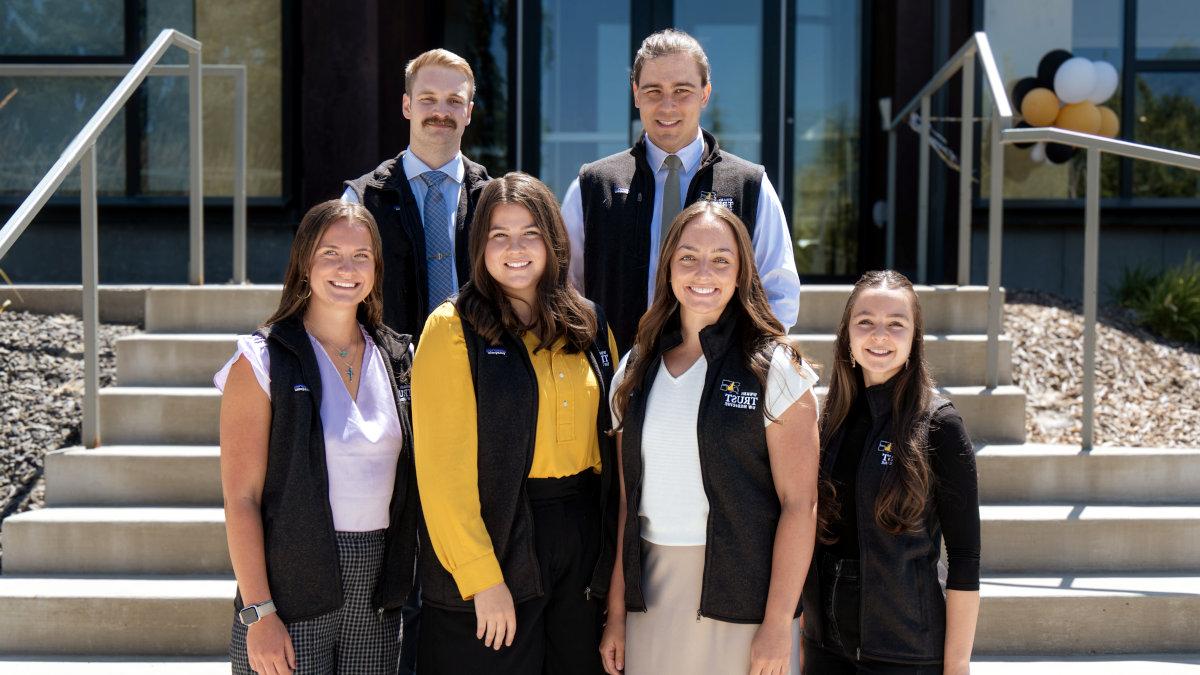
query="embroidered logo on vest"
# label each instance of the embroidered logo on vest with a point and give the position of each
(496, 351)
(604, 360)
(299, 387)
(727, 202)
(736, 398)
(620, 190)
(886, 458)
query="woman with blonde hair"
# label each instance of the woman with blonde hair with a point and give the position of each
(316, 463)
(717, 434)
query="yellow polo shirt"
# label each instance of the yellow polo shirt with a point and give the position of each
(446, 442)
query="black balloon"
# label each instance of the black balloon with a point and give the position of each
(1059, 153)
(1049, 64)
(1024, 125)
(1025, 86)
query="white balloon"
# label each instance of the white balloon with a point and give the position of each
(1106, 82)
(1038, 152)
(1074, 80)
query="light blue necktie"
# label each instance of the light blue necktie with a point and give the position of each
(439, 250)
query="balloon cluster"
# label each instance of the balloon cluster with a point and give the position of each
(1067, 93)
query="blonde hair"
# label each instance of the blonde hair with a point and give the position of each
(666, 43)
(437, 57)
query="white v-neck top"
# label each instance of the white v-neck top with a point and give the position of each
(363, 438)
(674, 507)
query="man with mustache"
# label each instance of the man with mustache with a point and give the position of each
(621, 206)
(423, 199)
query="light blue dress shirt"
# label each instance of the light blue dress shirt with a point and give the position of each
(413, 168)
(772, 239)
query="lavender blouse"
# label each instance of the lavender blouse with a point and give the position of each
(363, 437)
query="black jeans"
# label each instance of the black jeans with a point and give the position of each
(558, 632)
(841, 596)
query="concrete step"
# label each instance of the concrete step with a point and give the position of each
(1089, 539)
(1076, 615)
(954, 360)
(149, 415)
(994, 415)
(169, 616)
(209, 309)
(173, 360)
(1041, 473)
(1098, 664)
(945, 309)
(134, 475)
(113, 665)
(116, 540)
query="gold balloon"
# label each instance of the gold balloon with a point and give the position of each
(1110, 125)
(1083, 117)
(1040, 107)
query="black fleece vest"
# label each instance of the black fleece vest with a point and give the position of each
(736, 470)
(388, 196)
(298, 534)
(506, 401)
(618, 206)
(903, 611)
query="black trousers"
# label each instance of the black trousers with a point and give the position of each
(557, 633)
(840, 598)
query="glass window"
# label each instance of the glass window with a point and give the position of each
(1168, 116)
(1168, 29)
(731, 34)
(826, 137)
(62, 28)
(478, 30)
(585, 93)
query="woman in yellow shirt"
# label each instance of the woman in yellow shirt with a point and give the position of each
(514, 465)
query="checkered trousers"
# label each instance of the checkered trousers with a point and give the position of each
(353, 640)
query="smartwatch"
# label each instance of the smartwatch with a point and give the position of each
(254, 613)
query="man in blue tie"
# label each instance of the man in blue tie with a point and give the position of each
(424, 198)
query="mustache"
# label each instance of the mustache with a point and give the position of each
(447, 122)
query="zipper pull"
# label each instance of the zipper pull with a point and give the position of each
(858, 653)
(380, 613)
(587, 593)
(639, 197)
(697, 616)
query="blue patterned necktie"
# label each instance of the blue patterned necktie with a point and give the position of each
(439, 250)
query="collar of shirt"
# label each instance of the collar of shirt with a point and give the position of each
(414, 167)
(690, 155)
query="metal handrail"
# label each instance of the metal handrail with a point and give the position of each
(1091, 232)
(235, 72)
(82, 151)
(963, 60)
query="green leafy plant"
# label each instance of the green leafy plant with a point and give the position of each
(1168, 303)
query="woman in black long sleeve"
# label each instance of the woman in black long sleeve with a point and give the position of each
(897, 471)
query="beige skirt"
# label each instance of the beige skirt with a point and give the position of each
(670, 637)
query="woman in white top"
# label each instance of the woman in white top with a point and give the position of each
(316, 463)
(717, 434)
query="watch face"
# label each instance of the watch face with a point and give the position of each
(248, 615)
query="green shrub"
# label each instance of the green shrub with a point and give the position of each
(1168, 303)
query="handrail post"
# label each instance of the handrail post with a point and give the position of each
(891, 200)
(89, 245)
(966, 153)
(195, 173)
(1091, 267)
(923, 195)
(239, 178)
(995, 239)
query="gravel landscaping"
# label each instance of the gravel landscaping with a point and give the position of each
(41, 388)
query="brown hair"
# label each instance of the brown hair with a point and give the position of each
(319, 218)
(665, 43)
(437, 57)
(560, 311)
(900, 505)
(758, 329)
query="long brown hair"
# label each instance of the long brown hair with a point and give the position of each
(900, 505)
(296, 291)
(758, 329)
(560, 311)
